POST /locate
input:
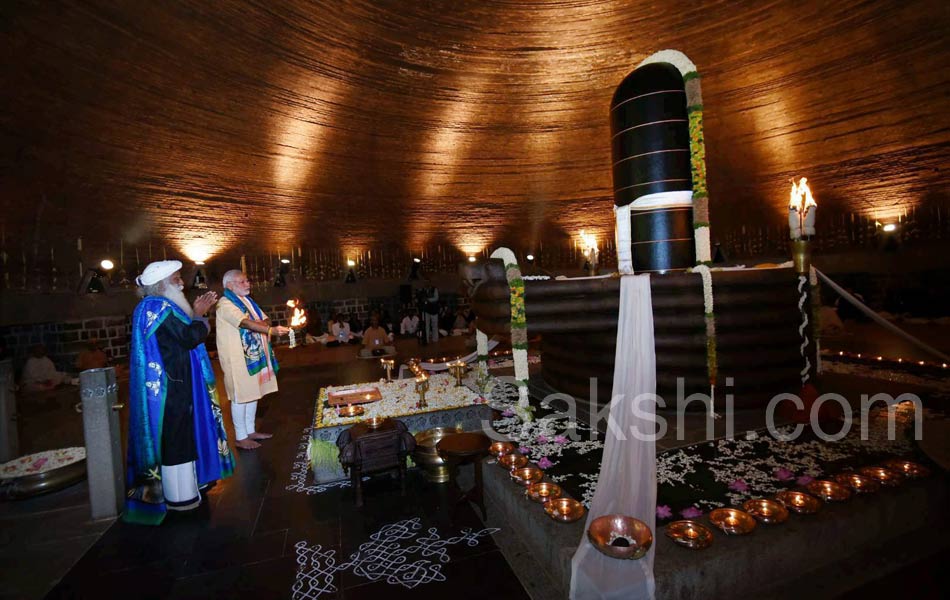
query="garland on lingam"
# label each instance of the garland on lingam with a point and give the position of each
(519, 329)
(708, 310)
(697, 153)
(697, 147)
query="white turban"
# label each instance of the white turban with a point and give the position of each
(158, 271)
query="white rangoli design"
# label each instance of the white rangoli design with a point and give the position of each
(396, 554)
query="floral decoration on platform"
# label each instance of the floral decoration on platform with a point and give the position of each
(41, 462)
(399, 400)
(706, 475)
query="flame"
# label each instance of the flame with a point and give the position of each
(299, 317)
(589, 242)
(801, 197)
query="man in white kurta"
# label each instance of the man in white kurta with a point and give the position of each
(237, 312)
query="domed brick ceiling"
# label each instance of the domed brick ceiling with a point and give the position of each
(232, 126)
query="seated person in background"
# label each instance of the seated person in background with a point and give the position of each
(340, 331)
(314, 330)
(92, 357)
(386, 320)
(446, 320)
(376, 340)
(410, 323)
(355, 326)
(460, 325)
(39, 372)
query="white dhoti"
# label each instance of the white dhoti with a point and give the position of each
(180, 486)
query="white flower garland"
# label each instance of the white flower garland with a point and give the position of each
(520, 355)
(703, 245)
(706, 274)
(674, 57)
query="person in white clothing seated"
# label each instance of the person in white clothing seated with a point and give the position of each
(410, 324)
(339, 331)
(40, 374)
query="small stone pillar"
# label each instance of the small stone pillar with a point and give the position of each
(9, 438)
(100, 422)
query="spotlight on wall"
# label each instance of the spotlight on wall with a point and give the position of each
(107, 265)
(199, 282)
(414, 268)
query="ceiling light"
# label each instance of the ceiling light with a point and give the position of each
(530, 257)
(350, 262)
(200, 263)
(286, 261)
(471, 259)
(417, 260)
(890, 227)
(107, 264)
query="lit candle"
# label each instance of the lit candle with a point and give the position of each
(691, 533)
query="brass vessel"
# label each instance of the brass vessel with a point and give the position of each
(427, 457)
(619, 536)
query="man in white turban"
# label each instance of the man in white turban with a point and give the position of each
(243, 331)
(177, 440)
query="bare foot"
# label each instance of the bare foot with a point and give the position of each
(247, 444)
(257, 435)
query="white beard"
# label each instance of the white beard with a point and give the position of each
(177, 296)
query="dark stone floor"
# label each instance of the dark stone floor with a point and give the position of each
(243, 538)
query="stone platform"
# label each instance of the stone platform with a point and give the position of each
(851, 544)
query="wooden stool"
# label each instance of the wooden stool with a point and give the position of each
(365, 450)
(461, 448)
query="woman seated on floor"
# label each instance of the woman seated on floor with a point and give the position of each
(339, 332)
(376, 341)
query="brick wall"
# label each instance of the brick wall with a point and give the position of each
(65, 340)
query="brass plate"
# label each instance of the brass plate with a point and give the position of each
(829, 491)
(543, 491)
(499, 449)
(766, 510)
(799, 502)
(861, 484)
(513, 461)
(690, 534)
(357, 396)
(564, 510)
(619, 536)
(908, 468)
(527, 475)
(886, 477)
(350, 411)
(732, 521)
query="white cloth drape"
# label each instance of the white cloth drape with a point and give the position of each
(624, 239)
(627, 481)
